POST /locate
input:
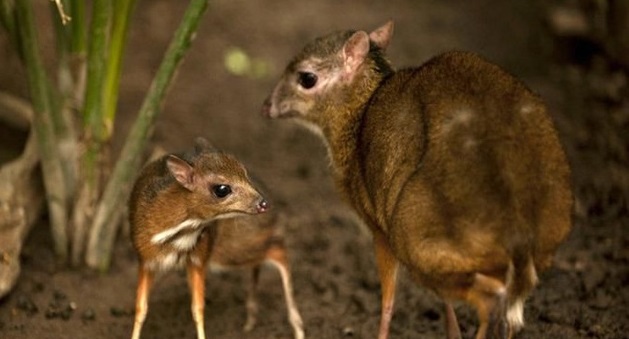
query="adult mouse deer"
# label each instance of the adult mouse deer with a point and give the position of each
(171, 209)
(455, 166)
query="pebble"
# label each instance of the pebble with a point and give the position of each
(25, 304)
(601, 301)
(348, 331)
(431, 314)
(88, 315)
(56, 310)
(120, 312)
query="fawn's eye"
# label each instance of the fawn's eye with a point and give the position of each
(221, 191)
(307, 80)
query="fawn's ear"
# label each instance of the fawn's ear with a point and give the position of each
(381, 36)
(355, 51)
(181, 170)
(201, 145)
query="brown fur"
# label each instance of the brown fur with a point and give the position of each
(454, 165)
(172, 206)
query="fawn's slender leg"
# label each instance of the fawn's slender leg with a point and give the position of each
(145, 280)
(488, 296)
(387, 271)
(252, 303)
(277, 256)
(196, 282)
(452, 325)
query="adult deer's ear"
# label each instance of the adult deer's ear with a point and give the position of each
(355, 51)
(181, 171)
(381, 36)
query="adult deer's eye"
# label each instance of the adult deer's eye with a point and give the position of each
(307, 80)
(221, 191)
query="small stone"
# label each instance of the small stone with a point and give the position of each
(66, 313)
(348, 331)
(595, 331)
(25, 304)
(593, 277)
(51, 313)
(432, 315)
(59, 296)
(602, 301)
(88, 315)
(38, 287)
(119, 312)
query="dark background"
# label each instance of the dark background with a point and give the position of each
(336, 287)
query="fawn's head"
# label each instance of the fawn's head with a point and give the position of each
(214, 184)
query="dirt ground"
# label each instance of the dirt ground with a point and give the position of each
(583, 296)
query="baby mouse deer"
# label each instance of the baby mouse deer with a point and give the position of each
(455, 166)
(171, 209)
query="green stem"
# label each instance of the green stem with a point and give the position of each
(122, 13)
(108, 215)
(42, 123)
(94, 137)
(93, 109)
(7, 17)
(79, 37)
(78, 52)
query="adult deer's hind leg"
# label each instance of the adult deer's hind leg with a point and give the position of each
(387, 271)
(489, 296)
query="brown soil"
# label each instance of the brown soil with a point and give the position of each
(336, 286)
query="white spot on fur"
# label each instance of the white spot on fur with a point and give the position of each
(169, 260)
(166, 262)
(470, 143)
(167, 234)
(461, 117)
(527, 109)
(515, 314)
(186, 242)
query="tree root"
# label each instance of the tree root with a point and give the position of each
(21, 205)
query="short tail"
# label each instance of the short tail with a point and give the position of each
(521, 279)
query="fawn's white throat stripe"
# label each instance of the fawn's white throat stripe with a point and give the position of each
(167, 234)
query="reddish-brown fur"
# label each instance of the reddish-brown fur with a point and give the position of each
(173, 204)
(455, 166)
